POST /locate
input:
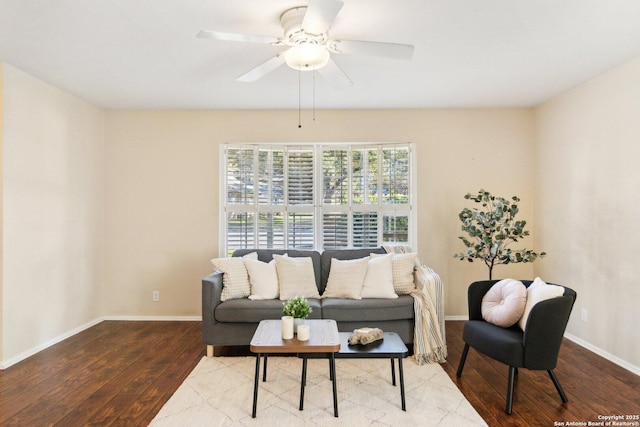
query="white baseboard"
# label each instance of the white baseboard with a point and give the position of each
(456, 317)
(13, 360)
(155, 318)
(600, 352)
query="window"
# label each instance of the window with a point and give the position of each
(320, 196)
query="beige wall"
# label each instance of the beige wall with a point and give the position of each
(162, 189)
(588, 205)
(1, 199)
(100, 208)
(53, 213)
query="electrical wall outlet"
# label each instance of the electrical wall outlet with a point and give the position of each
(156, 296)
(584, 315)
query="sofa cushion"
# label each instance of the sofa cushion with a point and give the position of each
(244, 310)
(266, 255)
(402, 268)
(378, 282)
(263, 278)
(296, 277)
(342, 254)
(346, 278)
(235, 279)
(373, 309)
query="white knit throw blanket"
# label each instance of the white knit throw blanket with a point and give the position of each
(429, 345)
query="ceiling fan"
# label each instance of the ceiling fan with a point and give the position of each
(306, 34)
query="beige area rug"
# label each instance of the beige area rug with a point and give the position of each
(219, 392)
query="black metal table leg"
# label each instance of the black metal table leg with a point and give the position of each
(303, 382)
(393, 372)
(404, 405)
(264, 370)
(335, 388)
(255, 386)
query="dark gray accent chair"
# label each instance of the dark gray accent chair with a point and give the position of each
(536, 348)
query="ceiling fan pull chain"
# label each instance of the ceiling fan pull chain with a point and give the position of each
(314, 95)
(299, 101)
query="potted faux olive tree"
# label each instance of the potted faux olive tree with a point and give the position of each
(491, 229)
(299, 309)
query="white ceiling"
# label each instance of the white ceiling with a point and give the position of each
(144, 54)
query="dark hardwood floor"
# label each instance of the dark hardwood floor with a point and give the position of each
(115, 373)
(593, 385)
(121, 373)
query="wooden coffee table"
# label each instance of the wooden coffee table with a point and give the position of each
(324, 338)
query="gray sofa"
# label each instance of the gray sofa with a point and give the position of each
(233, 322)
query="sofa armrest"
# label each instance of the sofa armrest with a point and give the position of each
(211, 294)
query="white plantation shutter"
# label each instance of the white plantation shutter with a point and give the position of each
(241, 230)
(240, 170)
(300, 223)
(335, 176)
(395, 228)
(300, 177)
(271, 230)
(271, 177)
(300, 231)
(335, 228)
(364, 175)
(317, 196)
(395, 175)
(365, 229)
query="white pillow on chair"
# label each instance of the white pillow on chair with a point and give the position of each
(504, 303)
(536, 292)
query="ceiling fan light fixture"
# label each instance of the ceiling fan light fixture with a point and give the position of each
(307, 57)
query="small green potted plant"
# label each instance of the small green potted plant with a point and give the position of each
(299, 309)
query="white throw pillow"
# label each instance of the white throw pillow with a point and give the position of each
(402, 266)
(378, 282)
(263, 278)
(504, 303)
(296, 277)
(235, 279)
(536, 292)
(346, 278)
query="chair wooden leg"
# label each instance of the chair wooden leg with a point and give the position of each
(558, 386)
(512, 373)
(463, 359)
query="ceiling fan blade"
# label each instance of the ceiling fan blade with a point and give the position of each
(334, 75)
(320, 15)
(262, 69)
(389, 50)
(233, 37)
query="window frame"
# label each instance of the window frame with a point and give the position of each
(319, 207)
